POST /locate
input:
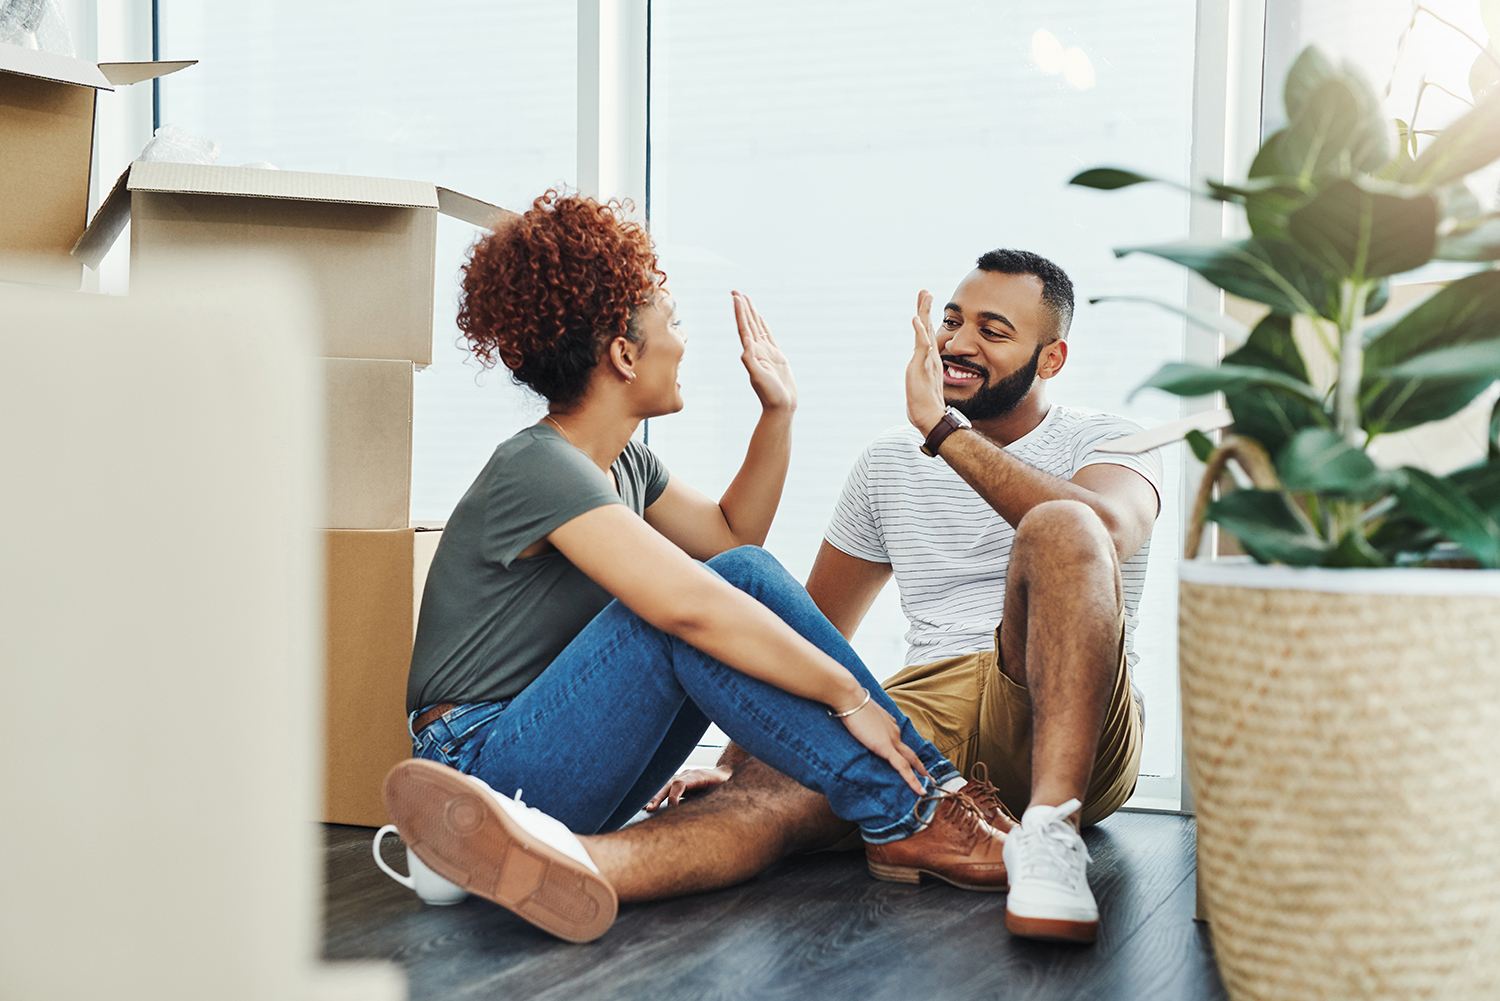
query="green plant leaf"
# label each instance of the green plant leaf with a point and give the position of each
(1114, 178)
(1362, 234)
(1268, 527)
(1481, 484)
(1457, 202)
(1338, 130)
(1460, 149)
(1443, 506)
(1407, 403)
(1270, 415)
(1201, 444)
(1465, 311)
(1476, 359)
(1183, 379)
(1317, 460)
(1271, 345)
(1478, 241)
(1494, 443)
(1311, 70)
(1217, 323)
(1272, 272)
(1268, 211)
(1353, 551)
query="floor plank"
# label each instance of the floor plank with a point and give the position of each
(813, 926)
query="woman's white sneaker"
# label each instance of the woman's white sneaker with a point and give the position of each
(1049, 888)
(500, 849)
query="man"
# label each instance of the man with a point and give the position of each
(1010, 516)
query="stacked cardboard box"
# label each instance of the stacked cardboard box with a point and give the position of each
(46, 153)
(367, 247)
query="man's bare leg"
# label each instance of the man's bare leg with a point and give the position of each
(725, 837)
(1059, 637)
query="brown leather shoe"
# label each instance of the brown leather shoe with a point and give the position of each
(987, 798)
(956, 846)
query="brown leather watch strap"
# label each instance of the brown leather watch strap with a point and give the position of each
(940, 433)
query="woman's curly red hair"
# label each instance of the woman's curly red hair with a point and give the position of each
(546, 292)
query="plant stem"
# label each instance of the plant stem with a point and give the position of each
(1352, 298)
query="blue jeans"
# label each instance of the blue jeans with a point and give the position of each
(610, 720)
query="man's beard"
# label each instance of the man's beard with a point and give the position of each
(1001, 398)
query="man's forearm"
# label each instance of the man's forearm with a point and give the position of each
(750, 502)
(1013, 487)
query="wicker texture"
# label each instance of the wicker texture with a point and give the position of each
(1344, 751)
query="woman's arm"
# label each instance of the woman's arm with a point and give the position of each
(743, 515)
(664, 586)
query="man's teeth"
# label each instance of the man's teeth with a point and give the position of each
(960, 373)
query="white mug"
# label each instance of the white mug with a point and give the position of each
(432, 888)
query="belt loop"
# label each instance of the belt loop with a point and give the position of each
(411, 718)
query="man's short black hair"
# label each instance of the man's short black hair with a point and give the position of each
(1057, 287)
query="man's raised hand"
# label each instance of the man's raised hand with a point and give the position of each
(770, 372)
(924, 374)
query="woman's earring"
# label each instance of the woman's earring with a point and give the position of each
(630, 378)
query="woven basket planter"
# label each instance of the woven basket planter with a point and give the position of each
(1342, 730)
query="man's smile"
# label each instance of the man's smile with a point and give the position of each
(957, 373)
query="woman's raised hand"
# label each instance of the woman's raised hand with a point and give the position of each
(873, 727)
(770, 372)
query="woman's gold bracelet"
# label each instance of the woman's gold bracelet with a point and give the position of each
(851, 712)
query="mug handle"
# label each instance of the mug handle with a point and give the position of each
(405, 881)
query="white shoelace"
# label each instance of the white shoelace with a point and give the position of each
(1050, 850)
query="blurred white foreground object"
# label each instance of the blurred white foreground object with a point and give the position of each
(160, 643)
(1165, 434)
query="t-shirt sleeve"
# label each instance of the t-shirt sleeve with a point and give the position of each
(1102, 432)
(853, 528)
(542, 485)
(650, 471)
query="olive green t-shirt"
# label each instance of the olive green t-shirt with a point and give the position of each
(490, 621)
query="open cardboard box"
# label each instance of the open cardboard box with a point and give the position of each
(367, 244)
(368, 405)
(374, 590)
(46, 151)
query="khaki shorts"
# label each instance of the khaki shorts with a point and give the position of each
(971, 711)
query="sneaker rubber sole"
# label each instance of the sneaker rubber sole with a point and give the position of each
(909, 874)
(467, 838)
(1052, 929)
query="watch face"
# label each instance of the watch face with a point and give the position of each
(959, 420)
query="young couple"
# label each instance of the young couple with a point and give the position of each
(587, 614)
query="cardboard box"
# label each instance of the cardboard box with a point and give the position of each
(367, 244)
(46, 150)
(375, 581)
(368, 442)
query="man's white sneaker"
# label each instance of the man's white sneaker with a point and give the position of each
(500, 849)
(1049, 888)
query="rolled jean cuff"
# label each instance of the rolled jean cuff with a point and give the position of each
(915, 819)
(944, 772)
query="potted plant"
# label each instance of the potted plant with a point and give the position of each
(1341, 693)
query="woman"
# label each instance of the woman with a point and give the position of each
(571, 645)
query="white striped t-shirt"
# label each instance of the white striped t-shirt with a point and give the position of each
(949, 549)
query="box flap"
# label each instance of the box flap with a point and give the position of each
(124, 74)
(50, 66)
(294, 185)
(471, 210)
(107, 225)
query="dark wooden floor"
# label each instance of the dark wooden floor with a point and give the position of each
(813, 927)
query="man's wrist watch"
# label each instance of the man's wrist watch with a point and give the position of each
(951, 422)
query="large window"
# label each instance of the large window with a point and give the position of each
(832, 159)
(473, 95)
